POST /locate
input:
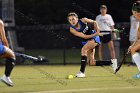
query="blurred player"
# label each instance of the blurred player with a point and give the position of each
(6, 52)
(135, 47)
(90, 38)
(133, 31)
(106, 26)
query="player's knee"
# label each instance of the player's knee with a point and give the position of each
(9, 53)
(10, 62)
(12, 56)
(84, 51)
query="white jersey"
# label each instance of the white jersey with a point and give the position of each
(134, 28)
(105, 22)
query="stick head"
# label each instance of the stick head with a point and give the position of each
(117, 70)
(41, 60)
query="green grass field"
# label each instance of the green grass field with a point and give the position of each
(52, 79)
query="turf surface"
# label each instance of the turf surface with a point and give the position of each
(52, 79)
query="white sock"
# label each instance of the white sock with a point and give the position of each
(114, 65)
(133, 60)
(136, 58)
(114, 61)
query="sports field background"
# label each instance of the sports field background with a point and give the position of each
(42, 29)
(52, 79)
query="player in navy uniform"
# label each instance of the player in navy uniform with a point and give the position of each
(6, 52)
(88, 30)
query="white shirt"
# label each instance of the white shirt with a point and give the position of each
(105, 22)
(134, 28)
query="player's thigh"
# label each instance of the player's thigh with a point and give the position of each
(91, 44)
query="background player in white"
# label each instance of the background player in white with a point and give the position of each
(133, 31)
(106, 26)
(135, 47)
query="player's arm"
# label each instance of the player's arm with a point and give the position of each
(2, 34)
(81, 35)
(112, 28)
(96, 27)
(138, 38)
(114, 34)
(112, 24)
(130, 47)
(86, 20)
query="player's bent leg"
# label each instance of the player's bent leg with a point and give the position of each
(92, 60)
(88, 55)
(113, 56)
(136, 58)
(88, 46)
(100, 51)
(81, 74)
(9, 65)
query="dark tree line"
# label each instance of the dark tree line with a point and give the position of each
(55, 11)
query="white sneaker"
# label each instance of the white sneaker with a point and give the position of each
(80, 74)
(114, 64)
(6, 80)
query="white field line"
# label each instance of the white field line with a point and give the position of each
(82, 90)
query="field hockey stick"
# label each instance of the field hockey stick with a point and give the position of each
(39, 58)
(114, 31)
(119, 66)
